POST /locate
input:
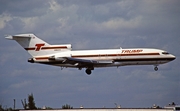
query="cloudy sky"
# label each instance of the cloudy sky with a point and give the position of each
(90, 24)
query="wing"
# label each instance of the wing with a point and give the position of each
(85, 62)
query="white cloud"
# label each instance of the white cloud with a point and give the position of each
(155, 75)
(4, 18)
(30, 23)
(54, 6)
(17, 73)
(21, 85)
(120, 23)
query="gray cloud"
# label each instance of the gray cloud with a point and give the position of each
(24, 8)
(90, 24)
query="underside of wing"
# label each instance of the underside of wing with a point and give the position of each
(85, 62)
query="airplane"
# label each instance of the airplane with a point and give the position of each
(64, 56)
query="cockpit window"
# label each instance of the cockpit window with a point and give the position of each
(165, 53)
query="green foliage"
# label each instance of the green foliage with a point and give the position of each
(31, 103)
(67, 107)
(3, 109)
(49, 108)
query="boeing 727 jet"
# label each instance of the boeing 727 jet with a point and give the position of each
(64, 56)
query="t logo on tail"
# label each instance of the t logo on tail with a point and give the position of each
(38, 46)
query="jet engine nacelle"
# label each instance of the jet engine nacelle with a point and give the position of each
(56, 58)
(60, 57)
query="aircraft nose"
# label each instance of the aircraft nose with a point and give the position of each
(173, 57)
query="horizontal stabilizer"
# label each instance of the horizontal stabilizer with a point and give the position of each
(9, 37)
(14, 37)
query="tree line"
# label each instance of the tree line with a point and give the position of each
(30, 105)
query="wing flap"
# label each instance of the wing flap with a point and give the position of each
(85, 62)
(75, 60)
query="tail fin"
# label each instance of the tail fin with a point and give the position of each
(36, 46)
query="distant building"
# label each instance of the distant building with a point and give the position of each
(173, 106)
